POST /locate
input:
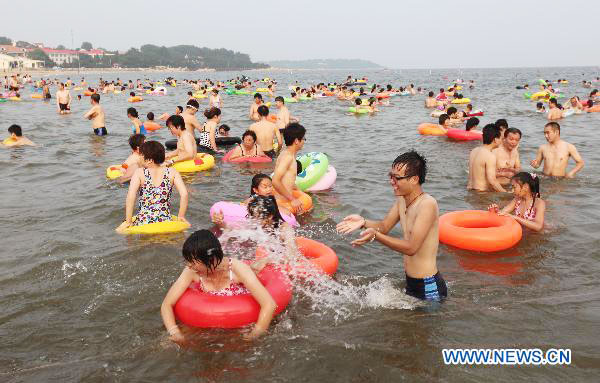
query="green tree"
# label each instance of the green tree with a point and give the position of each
(60, 46)
(24, 44)
(86, 46)
(5, 41)
(39, 54)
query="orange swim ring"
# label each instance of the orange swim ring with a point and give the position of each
(321, 256)
(479, 230)
(431, 130)
(306, 200)
(272, 118)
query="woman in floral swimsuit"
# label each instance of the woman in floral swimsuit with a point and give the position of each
(153, 184)
(527, 207)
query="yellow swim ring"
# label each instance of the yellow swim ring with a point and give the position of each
(262, 89)
(14, 98)
(203, 161)
(461, 101)
(114, 171)
(173, 226)
(37, 95)
(458, 87)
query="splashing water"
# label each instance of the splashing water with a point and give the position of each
(340, 298)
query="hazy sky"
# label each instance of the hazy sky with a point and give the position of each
(396, 34)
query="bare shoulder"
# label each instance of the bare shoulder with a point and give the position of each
(429, 202)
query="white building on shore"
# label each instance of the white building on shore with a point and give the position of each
(8, 63)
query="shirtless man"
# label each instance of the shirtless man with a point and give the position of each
(266, 131)
(555, 154)
(508, 162)
(554, 113)
(135, 159)
(186, 144)
(482, 162)
(63, 100)
(248, 147)
(418, 214)
(430, 101)
(253, 113)
(96, 114)
(189, 116)
(284, 177)
(16, 137)
(283, 117)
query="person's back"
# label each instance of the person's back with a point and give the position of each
(266, 132)
(96, 114)
(482, 162)
(16, 137)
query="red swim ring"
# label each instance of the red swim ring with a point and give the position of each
(262, 158)
(199, 309)
(464, 135)
(479, 230)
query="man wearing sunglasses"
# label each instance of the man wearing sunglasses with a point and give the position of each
(418, 214)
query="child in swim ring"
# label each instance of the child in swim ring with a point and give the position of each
(540, 108)
(216, 274)
(472, 124)
(527, 207)
(135, 159)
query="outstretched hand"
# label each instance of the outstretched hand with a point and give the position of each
(350, 224)
(365, 236)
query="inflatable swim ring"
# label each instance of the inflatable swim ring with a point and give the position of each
(272, 118)
(314, 166)
(352, 109)
(173, 226)
(430, 130)
(289, 99)
(115, 171)
(220, 141)
(307, 203)
(255, 159)
(475, 113)
(262, 90)
(199, 309)
(326, 182)
(37, 95)
(234, 212)
(8, 141)
(464, 135)
(461, 101)
(321, 256)
(14, 98)
(135, 99)
(87, 93)
(202, 162)
(479, 230)
(152, 126)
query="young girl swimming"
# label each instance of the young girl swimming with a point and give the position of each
(212, 272)
(527, 206)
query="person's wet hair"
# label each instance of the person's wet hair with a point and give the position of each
(530, 179)
(192, 104)
(358, 101)
(279, 98)
(413, 163)
(95, 97)
(554, 126)
(136, 140)
(225, 127)
(257, 96)
(292, 132)
(513, 131)
(204, 247)
(539, 104)
(154, 151)
(256, 180)
(150, 116)
(451, 110)
(176, 121)
(249, 133)
(132, 112)
(471, 123)
(501, 123)
(442, 119)
(430, 94)
(212, 112)
(16, 130)
(263, 207)
(263, 110)
(298, 167)
(490, 132)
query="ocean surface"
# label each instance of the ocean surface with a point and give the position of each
(82, 303)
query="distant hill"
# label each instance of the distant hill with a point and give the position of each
(325, 64)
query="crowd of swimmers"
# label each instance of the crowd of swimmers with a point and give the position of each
(493, 166)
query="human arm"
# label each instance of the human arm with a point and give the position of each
(247, 277)
(173, 295)
(578, 161)
(413, 240)
(490, 174)
(90, 113)
(183, 195)
(278, 135)
(493, 208)
(212, 136)
(355, 221)
(538, 223)
(236, 153)
(539, 157)
(134, 186)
